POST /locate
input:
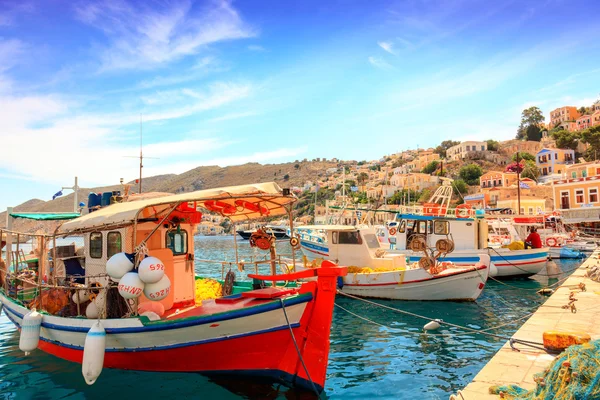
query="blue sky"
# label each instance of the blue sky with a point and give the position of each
(225, 83)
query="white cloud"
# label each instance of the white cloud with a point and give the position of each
(10, 52)
(387, 46)
(379, 63)
(141, 37)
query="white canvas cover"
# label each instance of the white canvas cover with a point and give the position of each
(267, 194)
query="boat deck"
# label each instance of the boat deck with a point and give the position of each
(232, 302)
(511, 367)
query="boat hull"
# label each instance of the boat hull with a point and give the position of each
(455, 285)
(505, 262)
(248, 341)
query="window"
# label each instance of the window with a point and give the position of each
(530, 210)
(583, 173)
(177, 241)
(113, 243)
(402, 227)
(349, 237)
(482, 148)
(556, 156)
(579, 198)
(468, 148)
(422, 228)
(550, 169)
(441, 227)
(573, 174)
(593, 194)
(96, 245)
(372, 241)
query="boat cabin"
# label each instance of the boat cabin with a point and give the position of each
(467, 233)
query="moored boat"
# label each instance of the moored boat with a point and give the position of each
(277, 332)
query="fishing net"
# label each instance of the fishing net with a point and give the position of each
(207, 289)
(574, 374)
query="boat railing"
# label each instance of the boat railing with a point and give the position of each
(285, 262)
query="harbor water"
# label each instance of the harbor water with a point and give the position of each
(388, 357)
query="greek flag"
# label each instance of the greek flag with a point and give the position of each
(523, 185)
(354, 188)
(59, 193)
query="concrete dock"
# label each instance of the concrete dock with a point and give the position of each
(513, 367)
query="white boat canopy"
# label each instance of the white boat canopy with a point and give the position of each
(267, 194)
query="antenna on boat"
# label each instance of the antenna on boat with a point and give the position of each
(141, 157)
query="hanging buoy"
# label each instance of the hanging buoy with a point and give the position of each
(80, 296)
(151, 270)
(493, 270)
(159, 290)
(552, 269)
(93, 353)
(91, 311)
(118, 265)
(432, 325)
(131, 286)
(30, 331)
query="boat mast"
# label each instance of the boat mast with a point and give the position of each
(518, 185)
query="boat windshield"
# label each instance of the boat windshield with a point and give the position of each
(371, 241)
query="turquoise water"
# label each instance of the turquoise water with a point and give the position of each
(366, 360)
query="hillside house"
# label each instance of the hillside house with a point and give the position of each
(552, 163)
(563, 114)
(465, 150)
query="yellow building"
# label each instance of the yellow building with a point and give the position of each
(579, 188)
(497, 179)
(530, 205)
(416, 181)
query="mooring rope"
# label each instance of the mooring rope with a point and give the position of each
(298, 349)
(470, 330)
(524, 270)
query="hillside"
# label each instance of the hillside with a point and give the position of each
(205, 177)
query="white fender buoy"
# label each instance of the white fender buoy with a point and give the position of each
(30, 331)
(93, 353)
(159, 290)
(118, 265)
(493, 270)
(151, 270)
(91, 311)
(80, 296)
(131, 286)
(432, 325)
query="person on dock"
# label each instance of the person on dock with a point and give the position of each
(533, 241)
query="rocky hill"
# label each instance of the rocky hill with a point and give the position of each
(207, 177)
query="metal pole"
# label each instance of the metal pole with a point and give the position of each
(75, 203)
(518, 185)
(141, 156)
(9, 222)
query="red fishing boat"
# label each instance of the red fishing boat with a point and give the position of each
(99, 316)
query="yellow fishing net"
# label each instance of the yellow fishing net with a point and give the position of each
(207, 289)
(573, 375)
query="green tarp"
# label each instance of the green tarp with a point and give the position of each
(46, 216)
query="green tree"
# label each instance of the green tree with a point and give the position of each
(431, 167)
(591, 136)
(531, 118)
(460, 187)
(398, 163)
(582, 110)
(362, 178)
(565, 139)
(297, 166)
(286, 177)
(524, 156)
(492, 145)
(444, 146)
(470, 174)
(530, 170)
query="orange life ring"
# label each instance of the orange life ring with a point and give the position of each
(551, 242)
(469, 211)
(263, 243)
(393, 231)
(252, 207)
(220, 207)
